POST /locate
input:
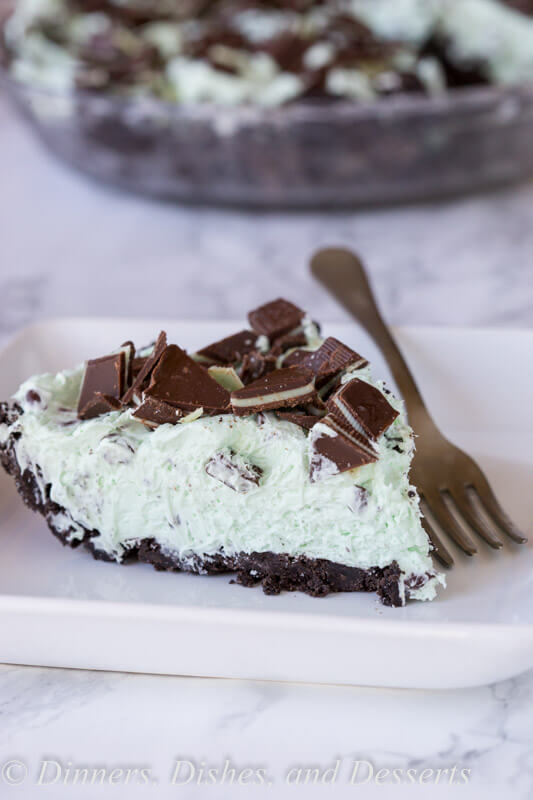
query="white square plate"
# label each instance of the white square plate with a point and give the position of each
(59, 607)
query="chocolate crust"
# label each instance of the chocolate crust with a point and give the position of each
(275, 572)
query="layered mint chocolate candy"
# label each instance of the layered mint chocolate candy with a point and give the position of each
(272, 454)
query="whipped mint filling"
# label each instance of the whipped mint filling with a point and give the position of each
(114, 475)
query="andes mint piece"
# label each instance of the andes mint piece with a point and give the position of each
(283, 343)
(332, 453)
(255, 365)
(298, 418)
(331, 358)
(233, 471)
(135, 390)
(129, 354)
(226, 377)
(137, 365)
(180, 381)
(275, 318)
(317, 407)
(228, 350)
(153, 412)
(282, 388)
(99, 404)
(105, 376)
(345, 429)
(363, 407)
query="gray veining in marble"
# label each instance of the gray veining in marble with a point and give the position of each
(68, 247)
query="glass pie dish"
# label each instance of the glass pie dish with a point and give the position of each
(313, 153)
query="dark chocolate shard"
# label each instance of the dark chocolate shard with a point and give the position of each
(153, 412)
(140, 381)
(300, 418)
(137, 365)
(129, 354)
(183, 383)
(332, 453)
(103, 376)
(275, 318)
(285, 342)
(230, 350)
(282, 388)
(363, 407)
(99, 404)
(328, 362)
(234, 471)
(255, 365)
(345, 429)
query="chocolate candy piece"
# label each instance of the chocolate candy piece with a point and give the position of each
(363, 407)
(282, 388)
(275, 318)
(328, 362)
(228, 350)
(332, 453)
(137, 365)
(233, 471)
(129, 353)
(183, 383)
(99, 404)
(141, 379)
(285, 342)
(153, 412)
(300, 418)
(103, 376)
(255, 365)
(226, 377)
(345, 429)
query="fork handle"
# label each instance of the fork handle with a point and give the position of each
(343, 274)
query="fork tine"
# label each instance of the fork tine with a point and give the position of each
(494, 510)
(438, 548)
(464, 504)
(437, 506)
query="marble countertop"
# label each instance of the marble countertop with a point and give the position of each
(68, 247)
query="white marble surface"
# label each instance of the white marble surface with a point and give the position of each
(68, 248)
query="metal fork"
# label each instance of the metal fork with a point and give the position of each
(453, 490)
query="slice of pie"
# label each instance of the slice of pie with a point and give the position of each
(272, 454)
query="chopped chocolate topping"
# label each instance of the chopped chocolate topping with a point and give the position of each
(285, 342)
(226, 377)
(141, 379)
(254, 366)
(129, 353)
(282, 388)
(317, 407)
(99, 404)
(233, 471)
(275, 318)
(363, 407)
(103, 376)
(180, 381)
(328, 362)
(153, 412)
(298, 418)
(345, 429)
(229, 350)
(332, 453)
(137, 365)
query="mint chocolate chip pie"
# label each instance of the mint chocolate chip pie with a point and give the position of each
(272, 454)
